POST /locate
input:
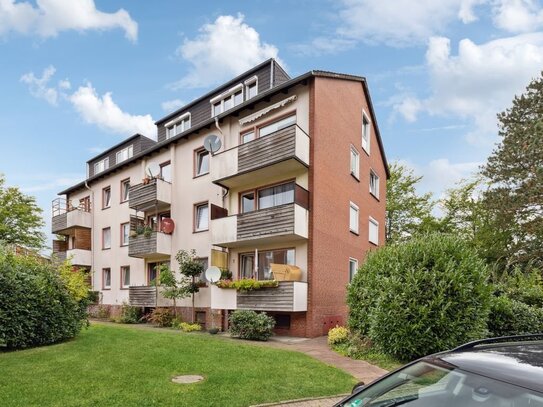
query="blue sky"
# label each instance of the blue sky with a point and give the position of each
(80, 76)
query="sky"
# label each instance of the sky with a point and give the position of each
(77, 76)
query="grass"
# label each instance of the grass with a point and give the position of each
(368, 354)
(108, 365)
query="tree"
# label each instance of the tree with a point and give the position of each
(190, 268)
(407, 213)
(20, 218)
(173, 288)
(515, 173)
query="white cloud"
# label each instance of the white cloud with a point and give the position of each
(324, 45)
(53, 16)
(478, 82)
(64, 84)
(518, 16)
(222, 49)
(171, 105)
(106, 114)
(38, 86)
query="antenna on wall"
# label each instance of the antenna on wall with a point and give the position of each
(153, 170)
(212, 143)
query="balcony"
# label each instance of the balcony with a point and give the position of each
(286, 150)
(67, 217)
(156, 194)
(280, 223)
(148, 246)
(80, 255)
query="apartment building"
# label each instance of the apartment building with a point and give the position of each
(299, 179)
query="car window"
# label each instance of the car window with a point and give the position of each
(426, 385)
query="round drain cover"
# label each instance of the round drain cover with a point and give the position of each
(187, 379)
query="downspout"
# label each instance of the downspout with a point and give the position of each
(225, 191)
(92, 233)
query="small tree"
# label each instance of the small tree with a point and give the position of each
(173, 288)
(190, 268)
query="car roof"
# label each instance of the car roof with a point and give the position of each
(518, 363)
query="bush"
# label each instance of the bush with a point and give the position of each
(186, 327)
(130, 314)
(337, 335)
(251, 325)
(526, 287)
(94, 297)
(162, 317)
(420, 297)
(36, 306)
(512, 317)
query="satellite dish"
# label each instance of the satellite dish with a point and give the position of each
(167, 226)
(213, 274)
(212, 143)
(153, 169)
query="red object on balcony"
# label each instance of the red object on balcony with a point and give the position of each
(167, 225)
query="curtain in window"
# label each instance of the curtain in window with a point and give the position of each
(281, 124)
(107, 238)
(274, 196)
(202, 218)
(203, 163)
(126, 276)
(247, 265)
(273, 256)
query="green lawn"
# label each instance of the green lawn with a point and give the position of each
(109, 365)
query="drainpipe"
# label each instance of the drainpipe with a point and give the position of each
(92, 232)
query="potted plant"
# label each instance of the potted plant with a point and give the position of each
(147, 231)
(213, 331)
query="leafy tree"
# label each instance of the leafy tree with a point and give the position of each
(173, 288)
(20, 218)
(190, 268)
(515, 173)
(75, 280)
(407, 212)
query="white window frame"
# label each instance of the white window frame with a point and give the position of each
(199, 154)
(104, 247)
(355, 262)
(355, 172)
(123, 241)
(128, 151)
(370, 237)
(123, 274)
(178, 121)
(101, 165)
(354, 206)
(104, 285)
(196, 217)
(106, 203)
(249, 82)
(366, 132)
(375, 192)
(125, 190)
(225, 95)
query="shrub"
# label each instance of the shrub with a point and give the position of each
(186, 327)
(420, 297)
(36, 306)
(130, 314)
(247, 284)
(526, 287)
(94, 297)
(162, 317)
(251, 325)
(512, 317)
(337, 335)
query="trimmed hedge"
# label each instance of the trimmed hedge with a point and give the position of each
(251, 325)
(511, 317)
(419, 297)
(36, 306)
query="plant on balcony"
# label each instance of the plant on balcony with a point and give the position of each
(190, 268)
(247, 284)
(147, 231)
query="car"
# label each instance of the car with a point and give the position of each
(495, 372)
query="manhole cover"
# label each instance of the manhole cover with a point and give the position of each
(187, 379)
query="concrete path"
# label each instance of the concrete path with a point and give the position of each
(318, 402)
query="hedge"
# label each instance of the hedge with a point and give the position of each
(251, 325)
(511, 317)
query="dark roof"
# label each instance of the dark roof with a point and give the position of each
(518, 363)
(129, 139)
(261, 96)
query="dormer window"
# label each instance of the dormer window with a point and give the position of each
(101, 165)
(178, 125)
(251, 87)
(125, 154)
(227, 100)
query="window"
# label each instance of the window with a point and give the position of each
(353, 268)
(166, 171)
(178, 125)
(374, 231)
(101, 165)
(374, 184)
(353, 218)
(227, 100)
(248, 202)
(201, 221)
(275, 196)
(251, 87)
(125, 154)
(106, 197)
(205, 264)
(278, 125)
(156, 224)
(265, 259)
(106, 278)
(366, 126)
(106, 238)
(202, 162)
(246, 137)
(125, 190)
(153, 271)
(125, 276)
(125, 233)
(355, 163)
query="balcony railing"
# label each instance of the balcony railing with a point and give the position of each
(285, 150)
(66, 216)
(156, 194)
(273, 224)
